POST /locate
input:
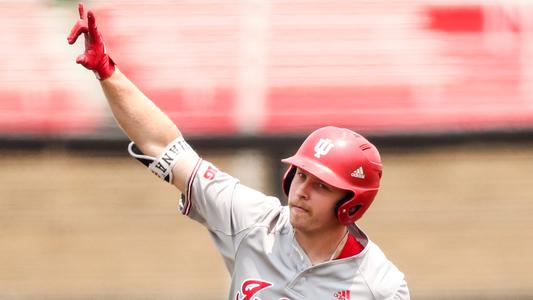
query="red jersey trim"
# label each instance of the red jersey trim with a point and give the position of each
(188, 200)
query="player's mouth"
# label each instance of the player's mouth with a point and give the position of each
(298, 209)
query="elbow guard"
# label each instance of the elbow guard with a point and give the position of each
(162, 165)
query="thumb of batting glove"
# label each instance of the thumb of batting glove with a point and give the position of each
(94, 58)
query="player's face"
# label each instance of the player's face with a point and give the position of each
(312, 203)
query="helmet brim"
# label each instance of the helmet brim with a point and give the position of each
(318, 170)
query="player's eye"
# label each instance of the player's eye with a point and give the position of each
(323, 186)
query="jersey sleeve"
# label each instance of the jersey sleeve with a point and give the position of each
(224, 206)
(403, 292)
(383, 278)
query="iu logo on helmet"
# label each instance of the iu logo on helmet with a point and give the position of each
(322, 147)
(250, 288)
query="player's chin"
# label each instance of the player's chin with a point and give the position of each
(297, 222)
(298, 217)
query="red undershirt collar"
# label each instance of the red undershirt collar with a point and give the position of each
(351, 248)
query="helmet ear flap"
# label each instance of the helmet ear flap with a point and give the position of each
(287, 179)
(347, 213)
(348, 196)
(352, 209)
(340, 209)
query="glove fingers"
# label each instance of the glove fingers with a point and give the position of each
(81, 10)
(94, 36)
(78, 28)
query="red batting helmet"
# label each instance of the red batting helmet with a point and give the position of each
(343, 159)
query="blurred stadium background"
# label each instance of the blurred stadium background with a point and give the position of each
(443, 87)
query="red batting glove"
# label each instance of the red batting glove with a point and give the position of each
(94, 58)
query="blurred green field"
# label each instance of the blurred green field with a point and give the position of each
(456, 220)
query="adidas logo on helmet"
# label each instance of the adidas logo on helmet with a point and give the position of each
(359, 173)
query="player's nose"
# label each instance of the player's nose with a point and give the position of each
(302, 190)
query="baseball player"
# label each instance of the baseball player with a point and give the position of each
(309, 249)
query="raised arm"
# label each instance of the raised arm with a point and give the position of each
(141, 120)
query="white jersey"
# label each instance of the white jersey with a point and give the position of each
(253, 233)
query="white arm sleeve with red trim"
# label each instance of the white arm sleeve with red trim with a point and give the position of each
(227, 208)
